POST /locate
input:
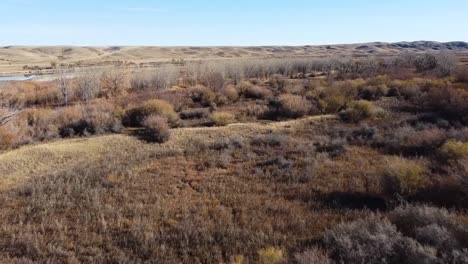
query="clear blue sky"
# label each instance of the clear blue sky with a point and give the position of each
(229, 22)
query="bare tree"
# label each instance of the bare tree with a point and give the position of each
(8, 109)
(114, 82)
(87, 85)
(63, 84)
(446, 63)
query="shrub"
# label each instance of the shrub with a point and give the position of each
(450, 102)
(8, 138)
(136, 116)
(455, 150)
(373, 92)
(222, 118)
(114, 83)
(203, 95)
(312, 256)
(461, 74)
(213, 80)
(278, 82)
(333, 104)
(409, 218)
(87, 85)
(408, 141)
(157, 128)
(364, 241)
(411, 234)
(292, 106)
(195, 113)
(244, 86)
(256, 92)
(431, 226)
(271, 255)
(358, 111)
(160, 78)
(101, 115)
(402, 176)
(231, 93)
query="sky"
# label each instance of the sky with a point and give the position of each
(229, 22)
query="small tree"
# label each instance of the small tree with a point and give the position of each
(63, 84)
(8, 110)
(87, 85)
(114, 83)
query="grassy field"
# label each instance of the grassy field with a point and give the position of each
(282, 160)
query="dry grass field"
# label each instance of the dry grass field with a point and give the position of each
(287, 159)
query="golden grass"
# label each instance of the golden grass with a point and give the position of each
(19, 165)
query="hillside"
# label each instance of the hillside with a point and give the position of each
(14, 58)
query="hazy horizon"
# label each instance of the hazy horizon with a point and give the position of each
(225, 23)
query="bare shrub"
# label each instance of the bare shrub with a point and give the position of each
(213, 80)
(88, 85)
(404, 177)
(161, 78)
(409, 251)
(231, 93)
(461, 74)
(222, 118)
(292, 106)
(407, 140)
(364, 241)
(102, 117)
(446, 64)
(64, 84)
(409, 218)
(135, 116)
(157, 128)
(8, 109)
(425, 62)
(450, 102)
(202, 95)
(195, 113)
(278, 82)
(455, 150)
(114, 83)
(373, 92)
(443, 64)
(256, 92)
(271, 255)
(312, 256)
(358, 111)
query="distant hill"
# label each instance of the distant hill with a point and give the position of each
(13, 58)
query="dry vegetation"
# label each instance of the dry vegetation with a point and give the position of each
(241, 161)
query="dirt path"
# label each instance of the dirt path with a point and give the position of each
(42, 159)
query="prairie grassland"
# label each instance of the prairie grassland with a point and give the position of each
(284, 160)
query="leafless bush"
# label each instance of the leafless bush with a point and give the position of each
(358, 111)
(443, 64)
(195, 113)
(364, 241)
(312, 256)
(8, 109)
(114, 82)
(256, 92)
(64, 84)
(292, 106)
(88, 85)
(157, 128)
(203, 95)
(160, 78)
